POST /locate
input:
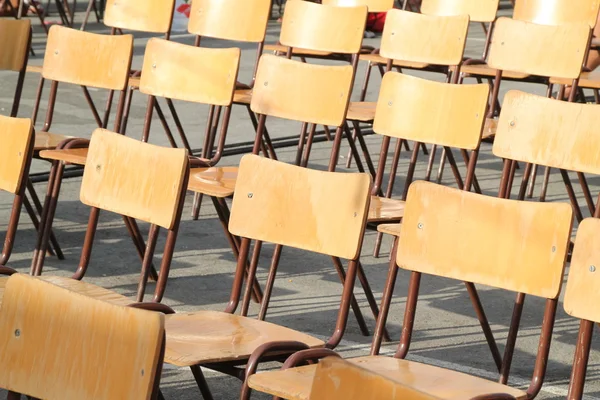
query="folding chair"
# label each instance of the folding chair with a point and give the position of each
(58, 344)
(15, 152)
(581, 291)
(454, 234)
(138, 181)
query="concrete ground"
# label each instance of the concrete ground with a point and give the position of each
(307, 289)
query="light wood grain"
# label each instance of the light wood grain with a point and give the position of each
(583, 284)
(437, 113)
(361, 111)
(323, 212)
(303, 92)
(477, 10)
(383, 209)
(314, 26)
(338, 379)
(282, 50)
(557, 12)
(16, 135)
(378, 59)
(57, 344)
(372, 5)
(506, 244)
(589, 80)
(239, 20)
(215, 181)
(132, 178)
(295, 383)
(48, 140)
(88, 290)
(88, 59)
(531, 48)
(72, 156)
(140, 15)
(424, 38)
(486, 70)
(199, 74)
(211, 336)
(390, 229)
(15, 34)
(549, 132)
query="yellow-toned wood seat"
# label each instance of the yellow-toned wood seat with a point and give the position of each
(48, 140)
(295, 383)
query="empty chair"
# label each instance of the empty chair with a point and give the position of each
(58, 344)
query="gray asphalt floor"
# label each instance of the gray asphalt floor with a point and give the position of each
(307, 289)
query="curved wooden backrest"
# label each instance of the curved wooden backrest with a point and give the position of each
(88, 59)
(16, 136)
(153, 16)
(531, 48)
(583, 285)
(372, 5)
(542, 131)
(199, 74)
(508, 244)
(437, 113)
(324, 212)
(338, 379)
(557, 12)
(312, 26)
(240, 20)
(16, 34)
(430, 39)
(132, 178)
(58, 344)
(303, 92)
(477, 10)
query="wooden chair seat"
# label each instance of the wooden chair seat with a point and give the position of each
(589, 80)
(485, 70)
(385, 210)
(134, 82)
(242, 96)
(390, 229)
(48, 140)
(363, 111)
(489, 129)
(215, 181)
(295, 383)
(211, 336)
(71, 156)
(36, 69)
(278, 48)
(377, 59)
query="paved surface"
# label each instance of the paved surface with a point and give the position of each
(307, 290)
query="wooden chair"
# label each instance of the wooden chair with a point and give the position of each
(582, 289)
(58, 344)
(138, 181)
(15, 152)
(454, 234)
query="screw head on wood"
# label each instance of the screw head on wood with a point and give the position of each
(250, 195)
(592, 268)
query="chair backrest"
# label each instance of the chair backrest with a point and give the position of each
(300, 91)
(312, 26)
(88, 59)
(423, 38)
(16, 150)
(154, 16)
(477, 10)
(338, 379)
(557, 12)
(58, 344)
(437, 113)
(532, 49)
(372, 5)
(583, 284)
(16, 34)
(507, 244)
(553, 133)
(178, 71)
(239, 20)
(132, 178)
(323, 212)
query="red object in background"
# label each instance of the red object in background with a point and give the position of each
(376, 21)
(185, 9)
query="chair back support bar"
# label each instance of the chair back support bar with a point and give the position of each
(323, 212)
(437, 113)
(198, 74)
(88, 59)
(58, 344)
(506, 244)
(135, 179)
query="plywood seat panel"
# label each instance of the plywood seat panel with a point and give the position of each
(384, 209)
